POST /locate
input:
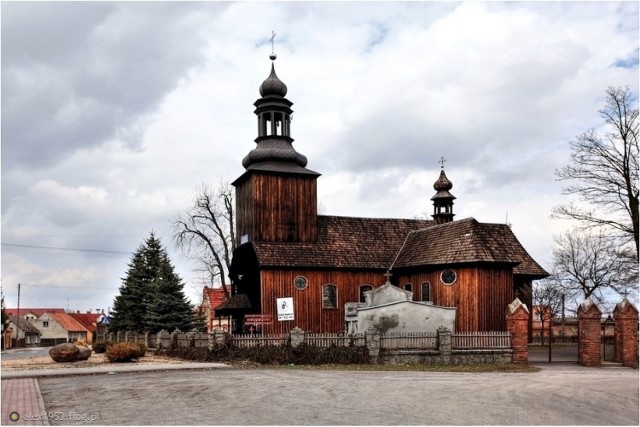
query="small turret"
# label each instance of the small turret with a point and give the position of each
(443, 199)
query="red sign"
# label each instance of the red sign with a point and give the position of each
(258, 319)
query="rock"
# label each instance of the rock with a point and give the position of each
(84, 354)
(66, 352)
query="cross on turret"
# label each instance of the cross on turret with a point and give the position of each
(388, 276)
(273, 55)
(442, 161)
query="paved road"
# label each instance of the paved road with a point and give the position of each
(558, 394)
(25, 353)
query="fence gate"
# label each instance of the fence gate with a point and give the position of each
(554, 349)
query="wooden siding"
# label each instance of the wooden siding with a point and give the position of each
(275, 208)
(481, 295)
(308, 312)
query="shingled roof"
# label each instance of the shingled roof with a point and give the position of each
(381, 243)
(467, 241)
(24, 325)
(343, 242)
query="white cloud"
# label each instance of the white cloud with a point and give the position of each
(113, 113)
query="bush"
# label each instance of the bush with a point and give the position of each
(142, 349)
(125, 352)
(101, 347)
(274, 355)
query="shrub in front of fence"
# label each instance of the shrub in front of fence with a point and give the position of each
(273, 355)
(101, 347)
(125, 352)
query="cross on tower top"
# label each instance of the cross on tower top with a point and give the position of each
(442, 162)
(273, 55)
(388, 276)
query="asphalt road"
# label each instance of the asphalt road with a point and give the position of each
(557, 395)
(25, 353)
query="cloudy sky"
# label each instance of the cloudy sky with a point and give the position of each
(114, 113)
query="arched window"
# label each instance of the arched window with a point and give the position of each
(426, 291)
(329, 296)
(363, 289)
(408, 287)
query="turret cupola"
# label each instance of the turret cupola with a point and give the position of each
(275, 149)
(443, 199)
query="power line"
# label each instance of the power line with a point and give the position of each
(66, 249)
(66, 287)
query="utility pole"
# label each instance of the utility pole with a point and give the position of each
(18, 320)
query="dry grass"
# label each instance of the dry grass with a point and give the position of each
(45, 362)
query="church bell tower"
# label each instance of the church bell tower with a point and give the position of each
(443, 199)
(276, 196)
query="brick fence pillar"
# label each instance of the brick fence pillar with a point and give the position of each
(518, 326)
(589, 334)
(625, 316)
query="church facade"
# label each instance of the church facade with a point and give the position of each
(288, 253)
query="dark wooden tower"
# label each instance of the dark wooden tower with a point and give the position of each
(443, 200)
(276, 196)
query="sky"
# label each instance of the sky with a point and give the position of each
(115, 113)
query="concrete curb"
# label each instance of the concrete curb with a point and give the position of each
(109, 370)
(43, 409)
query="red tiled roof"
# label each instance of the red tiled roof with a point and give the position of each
(68, 322)
(343, 242)
(216, 296)
(37, 311)
(467, 241)
(88, 320)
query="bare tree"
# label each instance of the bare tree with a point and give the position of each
(593, 265)
(547, 299)
(604, 170)
(206, 232)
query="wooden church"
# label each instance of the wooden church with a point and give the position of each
(289, 254)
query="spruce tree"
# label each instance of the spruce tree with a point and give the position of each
(168, 307)
(151, 296)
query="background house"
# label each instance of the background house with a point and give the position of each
(213, 298)
(23, 333)
(58, 328)
(89, 322)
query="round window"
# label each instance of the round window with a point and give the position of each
(300, 283)
(448, 277)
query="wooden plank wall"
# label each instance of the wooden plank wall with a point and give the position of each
(481, 295)
(274, 208)
(308, 312)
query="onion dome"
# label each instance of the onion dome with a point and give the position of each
(442, 184)
(443, 200)
(273, 85)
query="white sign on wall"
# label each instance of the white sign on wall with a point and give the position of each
(285, 308)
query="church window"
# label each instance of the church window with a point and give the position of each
(300, 283)
(329, 296)
(426, 291)
(363, 289)
(448, 277)
(408, 287)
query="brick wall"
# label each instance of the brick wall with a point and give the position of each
(518, 325)
(589, 334)
(625, 316)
